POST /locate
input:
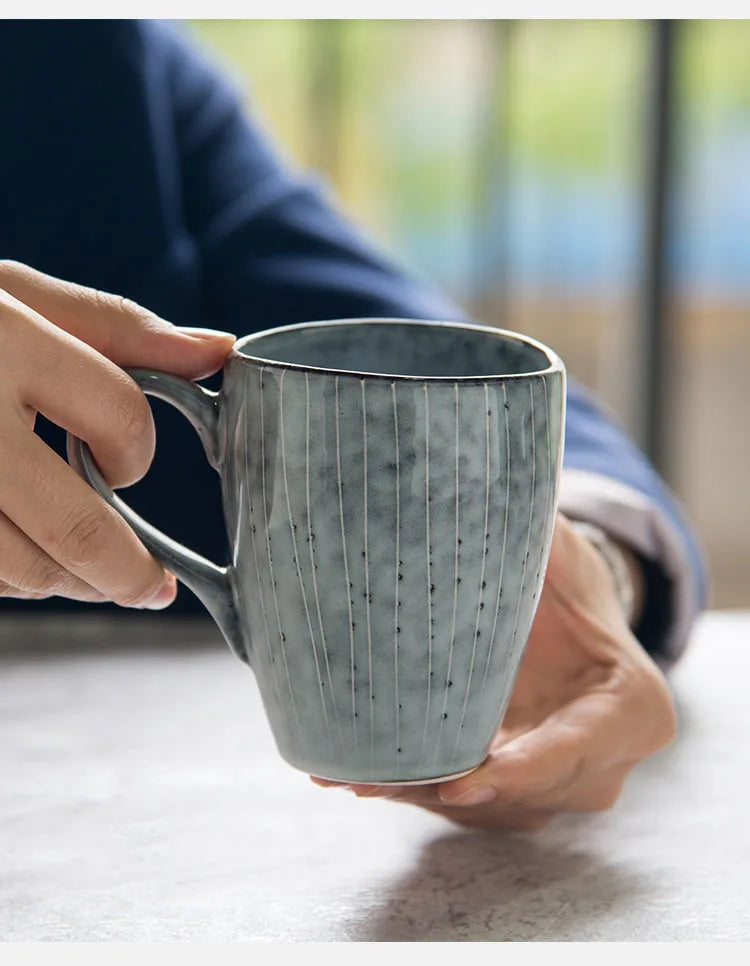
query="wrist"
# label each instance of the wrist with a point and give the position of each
(624, 567)
(637, 580)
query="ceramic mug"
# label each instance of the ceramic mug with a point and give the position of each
(389, 490)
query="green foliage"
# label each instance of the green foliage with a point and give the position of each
(576, 93)
(715, 67)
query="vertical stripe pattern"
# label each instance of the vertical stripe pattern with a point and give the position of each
(348, 583)
(397, 572)
(429, 586)
(504, 540)
(390, 541)
(295, 557)
(269, 561)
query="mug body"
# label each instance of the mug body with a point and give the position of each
(390, 488)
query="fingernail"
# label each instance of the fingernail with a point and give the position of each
(164, 596)
(478, 795)
(205, 335)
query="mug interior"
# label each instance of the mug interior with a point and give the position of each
(399, 347)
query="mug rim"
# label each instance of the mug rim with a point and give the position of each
(555, 362)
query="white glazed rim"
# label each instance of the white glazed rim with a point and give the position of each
(555, 362)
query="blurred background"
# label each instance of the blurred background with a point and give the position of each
(586, 182)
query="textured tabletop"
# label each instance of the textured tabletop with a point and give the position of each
(142, 799)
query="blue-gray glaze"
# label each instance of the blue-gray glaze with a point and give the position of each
(389, 534)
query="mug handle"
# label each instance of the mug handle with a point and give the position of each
(210, 583)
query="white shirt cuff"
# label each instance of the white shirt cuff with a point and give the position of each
(633, 519)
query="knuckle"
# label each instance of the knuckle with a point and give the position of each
(139, 316)
(42, 576)
(129, 307)
(662, 736)
(9, 268)
(12, 320)
(118, 313)
(123, 306)
(108, 303)
(131, 415)
(141, 592)
(657, 711)
(100, 301)
(9, 590)
(16, 325)
(85, 537)
(665, 729)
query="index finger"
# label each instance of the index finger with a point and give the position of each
(118, 328)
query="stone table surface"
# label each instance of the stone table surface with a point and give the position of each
(143, 799)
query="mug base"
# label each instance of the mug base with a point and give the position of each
(400, 781)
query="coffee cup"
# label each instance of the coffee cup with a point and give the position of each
(389, 489)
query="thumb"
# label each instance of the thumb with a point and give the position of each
(532, 765)
(590, 732)
(199, 352)
(118, 328)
